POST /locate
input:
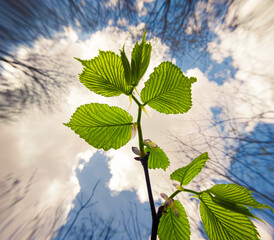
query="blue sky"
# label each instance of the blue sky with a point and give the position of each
(107, 204)
(234, 71)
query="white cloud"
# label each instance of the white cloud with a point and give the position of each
(244, 96)
(122, 22)
(39, 141)
(264, 229)
(140, 5)
(127, 174)
(250, 47)
(38, 144)
(85, 158)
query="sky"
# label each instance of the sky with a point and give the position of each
(45, 167)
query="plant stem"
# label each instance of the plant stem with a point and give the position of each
(191, 191)
(155, 219)
(184, 190)
(174, 194)
(144, 164)
(140, 134)
(145, 167)
(136, 100)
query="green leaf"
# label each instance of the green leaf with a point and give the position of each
(126, 65)
(221, 223)
(236, 194)
(168, 90)
(102, 126)
(172, 227)
(157, 158)
(140, 58)
(234, 207)
(185, 174)
(104, 75)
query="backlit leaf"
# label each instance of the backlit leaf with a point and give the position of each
(185, 174)
(221, 223)
(102, 126)
(168, 90)
(126, 65)
(236, 194)
(234, 207)
(140, 58)
(157, 158)
(104, 75)
(172, 227)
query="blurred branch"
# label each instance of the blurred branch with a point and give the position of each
(82, 207)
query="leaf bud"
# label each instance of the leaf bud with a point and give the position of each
(169, 203)
(133, 130)
(136, 151)
(179, 187)
(149, 143)
(164, 196)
